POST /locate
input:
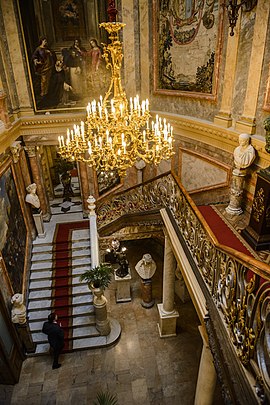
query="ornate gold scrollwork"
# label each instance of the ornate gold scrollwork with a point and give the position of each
(241, 295)
(258, 205)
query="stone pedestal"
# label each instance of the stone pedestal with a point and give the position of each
(238, 179)
(100, 305)
(39, 225)
(167, 322)
(146, 288)
(257, 233)
(123, 287)
(26, 337)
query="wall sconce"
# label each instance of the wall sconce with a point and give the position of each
(233, 7)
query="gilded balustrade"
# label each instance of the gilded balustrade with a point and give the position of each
(239, 285)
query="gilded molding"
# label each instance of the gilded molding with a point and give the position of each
(31, 151)
(15, 151)
(46, 128)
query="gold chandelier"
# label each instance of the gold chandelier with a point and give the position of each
(117, 132)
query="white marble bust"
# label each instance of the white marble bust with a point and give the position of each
(146, 267)
(244, 154)
(18, 312)
(32, 197)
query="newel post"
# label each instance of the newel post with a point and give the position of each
(93, 232)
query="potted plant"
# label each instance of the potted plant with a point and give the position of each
(98, 277)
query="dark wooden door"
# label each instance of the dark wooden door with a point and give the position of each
(11, 350)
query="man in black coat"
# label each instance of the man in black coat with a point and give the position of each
(55, 337)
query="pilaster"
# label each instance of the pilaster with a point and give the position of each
(38, 179)
(247, 122)
(223, 118)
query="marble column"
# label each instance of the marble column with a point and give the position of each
(167, 314)
(236, 192)
(94, 246)
(84, 185)
(38, 179)
(206, 381)
(223, 117)
(247, 121)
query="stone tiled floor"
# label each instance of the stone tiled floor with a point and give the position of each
(140, 369)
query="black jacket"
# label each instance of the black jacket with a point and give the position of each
(55, 335)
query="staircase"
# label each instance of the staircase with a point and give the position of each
(79, 325)
(77, 313)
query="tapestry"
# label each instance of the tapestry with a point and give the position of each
(186, 45)
(12, 231)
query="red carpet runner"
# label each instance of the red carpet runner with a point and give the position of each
(62, 276)
(220, 229)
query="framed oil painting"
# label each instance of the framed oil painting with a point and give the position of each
(13, 232)
(62, 42)
(187, 40)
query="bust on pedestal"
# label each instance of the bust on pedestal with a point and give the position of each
(244, 156)
(146, 268)
(32, 199)
(18, 317)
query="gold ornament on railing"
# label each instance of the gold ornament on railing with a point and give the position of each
(117, 131)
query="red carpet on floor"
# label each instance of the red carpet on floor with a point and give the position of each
(62, 277)
(220, 229)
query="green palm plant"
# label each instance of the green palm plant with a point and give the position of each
(105, 398)
(98, 276)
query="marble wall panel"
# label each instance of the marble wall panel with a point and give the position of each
(198, 173)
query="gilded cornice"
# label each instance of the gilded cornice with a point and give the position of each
(45, 129)
(209, 133)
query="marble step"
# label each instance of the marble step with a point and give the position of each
(77, 311)
(46, 265)
(78, 333)
(46, 303)
(39, 274)
(77, 236)
(47, 283)
(50, 249)
(77, 344)
(44, 293)
(76, 321)
(74, 253)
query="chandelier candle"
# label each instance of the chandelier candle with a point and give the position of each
(116, 132)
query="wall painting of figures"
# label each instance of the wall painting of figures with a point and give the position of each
(13, 232)
(62, 42)
(187, 38)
